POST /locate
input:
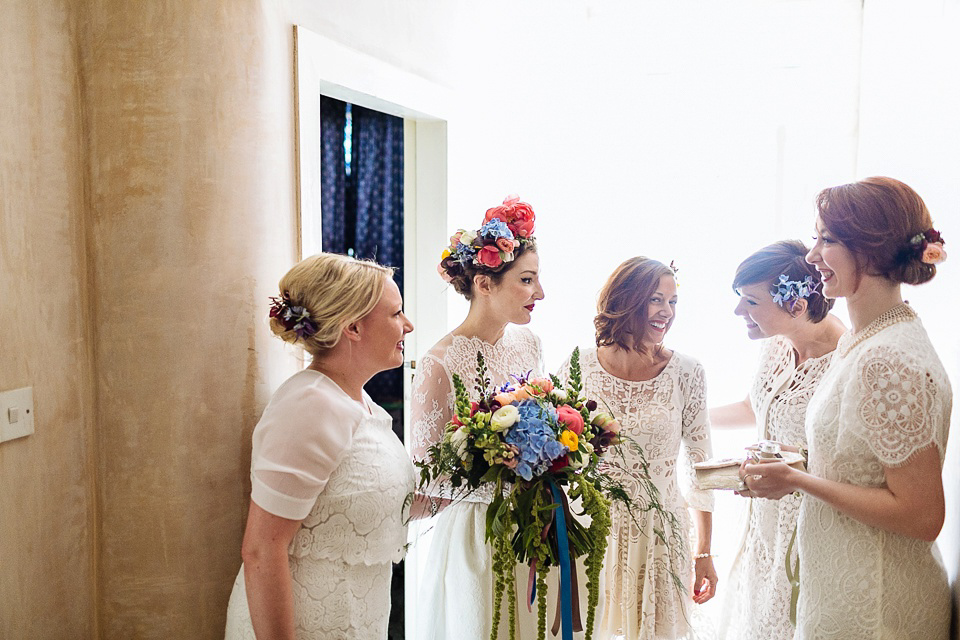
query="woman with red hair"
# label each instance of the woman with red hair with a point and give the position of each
(877, 430)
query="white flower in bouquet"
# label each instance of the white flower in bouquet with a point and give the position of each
(504, 418)
(458, 440)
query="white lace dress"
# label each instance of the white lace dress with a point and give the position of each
(456, 593)
(663, 415)
(758, 604)
(883, 399)
(320, 456)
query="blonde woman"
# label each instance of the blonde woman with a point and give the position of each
(329, 476)
(877, 430)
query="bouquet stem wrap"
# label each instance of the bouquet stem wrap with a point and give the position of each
(563, 547)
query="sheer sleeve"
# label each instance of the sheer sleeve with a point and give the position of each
(563, 373)
(695, 433)
(300, 440)
(896, 404)
(432, 405)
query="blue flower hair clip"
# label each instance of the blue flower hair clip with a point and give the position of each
(788, 291)
(292, 317)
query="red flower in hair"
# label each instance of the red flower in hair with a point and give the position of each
(518, 215)
(489, 256)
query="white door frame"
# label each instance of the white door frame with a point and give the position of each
(324, 66)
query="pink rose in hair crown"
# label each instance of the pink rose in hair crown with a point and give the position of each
(489, 256)
(506, 244)
(517, 215)
(934, 253)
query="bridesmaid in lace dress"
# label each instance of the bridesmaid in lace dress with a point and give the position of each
(329, 476)
(781, 303)
(659, 397)
(877, 430)
(497, 269)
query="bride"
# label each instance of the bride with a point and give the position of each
(497, 269)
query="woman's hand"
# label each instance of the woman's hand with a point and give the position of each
(425, 506)
(771, 480)
(704, 579)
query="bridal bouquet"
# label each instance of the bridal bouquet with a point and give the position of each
(528, 440)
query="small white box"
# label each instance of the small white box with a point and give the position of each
(16, 413)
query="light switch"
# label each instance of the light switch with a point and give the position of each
(16, 413)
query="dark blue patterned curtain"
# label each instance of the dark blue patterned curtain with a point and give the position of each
(377, 172)
(333, 177)
(362, 199)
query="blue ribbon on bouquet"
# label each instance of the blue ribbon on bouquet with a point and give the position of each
(563, 551)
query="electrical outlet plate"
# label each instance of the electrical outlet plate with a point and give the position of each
(16, 413)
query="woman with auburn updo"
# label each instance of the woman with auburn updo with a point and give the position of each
(780, 301)
(659, 397)
(876, 428)
(497, 269)
(329, 476)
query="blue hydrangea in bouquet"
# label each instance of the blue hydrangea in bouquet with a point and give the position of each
(538, 444)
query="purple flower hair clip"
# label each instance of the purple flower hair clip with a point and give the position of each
(788, 292)
(293, 318)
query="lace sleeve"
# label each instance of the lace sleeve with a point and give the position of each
(432, 405)
(697, 446)
(541, 364)
(898, 405)
(563, 373)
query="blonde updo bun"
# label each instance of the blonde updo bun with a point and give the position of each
(336, 290)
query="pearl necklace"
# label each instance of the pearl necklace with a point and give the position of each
(900, 313)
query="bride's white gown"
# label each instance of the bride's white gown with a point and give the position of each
(455, 598)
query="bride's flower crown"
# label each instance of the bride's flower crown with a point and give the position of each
(494, 244)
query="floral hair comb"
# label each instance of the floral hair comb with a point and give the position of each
(928, 246)
(504, 229)
(788, 291)
(292, 317)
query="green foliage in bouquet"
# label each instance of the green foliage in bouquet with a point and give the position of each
(520, 440)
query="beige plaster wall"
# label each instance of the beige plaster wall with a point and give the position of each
(147, 209)
(193, 221)
(192, 224)
(46, 492)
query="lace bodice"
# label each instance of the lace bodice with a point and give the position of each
(883, 399)
(782, 389)
(359, 517)
(759, 609)
(663, 415)
(517, 352)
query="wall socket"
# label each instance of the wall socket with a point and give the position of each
(16, 413)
